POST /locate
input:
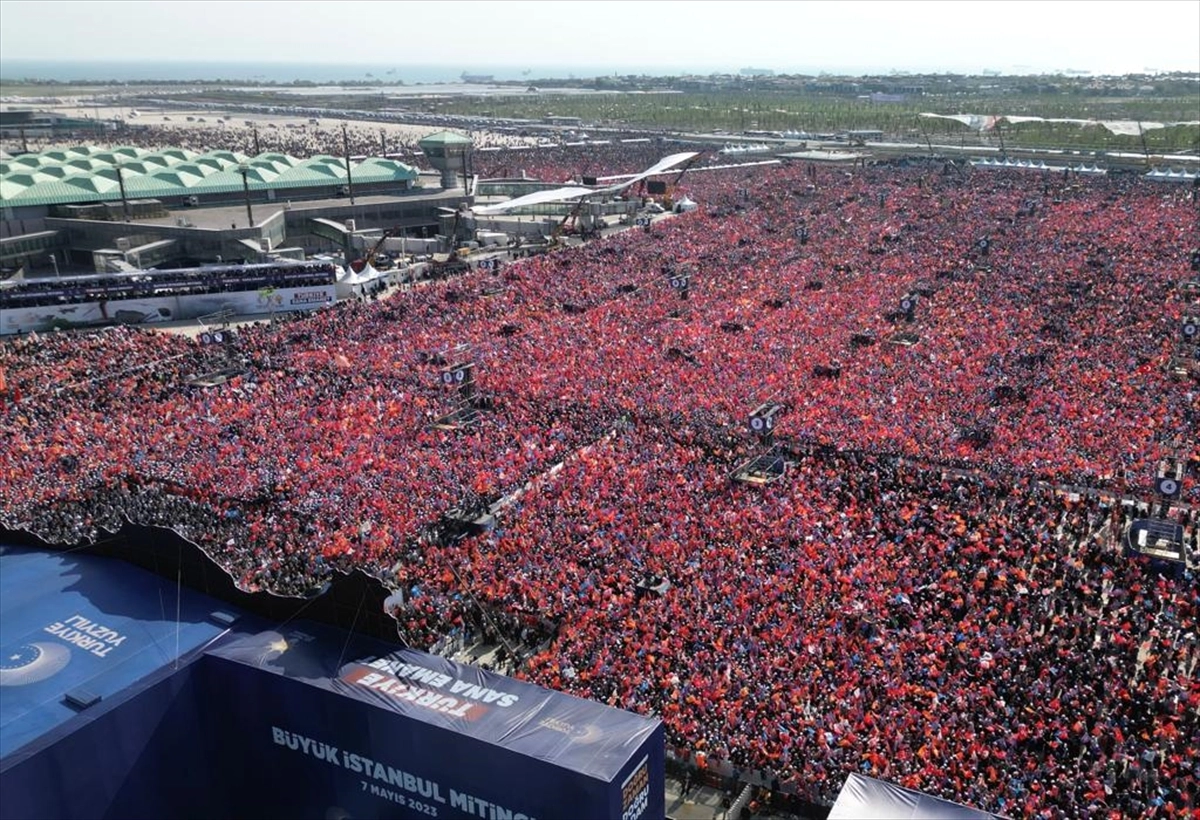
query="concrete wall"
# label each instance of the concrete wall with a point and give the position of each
(85, 237)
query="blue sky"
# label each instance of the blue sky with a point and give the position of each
(1100, 36)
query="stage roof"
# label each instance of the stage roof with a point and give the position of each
(865, 798)
(573, 733)
(71, 622)
(573, 193)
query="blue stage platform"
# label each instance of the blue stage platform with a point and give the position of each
(378, 731)
(85, 625)
(121, 695)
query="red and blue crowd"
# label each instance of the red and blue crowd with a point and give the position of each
(917, 598)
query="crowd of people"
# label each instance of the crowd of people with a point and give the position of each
(551, 157)
(174, 282)
(572, 161)
(975, 638)
(296, 138)
(914, 599)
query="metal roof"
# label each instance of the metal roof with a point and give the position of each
(83, 174)
(445, 138)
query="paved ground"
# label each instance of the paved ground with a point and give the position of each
(701, 803)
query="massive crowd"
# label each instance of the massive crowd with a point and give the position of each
(914, 599)
(297, 138)
(966, 637)
(552, 157)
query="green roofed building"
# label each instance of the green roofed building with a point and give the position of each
(81, 201)
(177, 176)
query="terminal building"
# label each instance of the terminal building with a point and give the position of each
(89, 208)
(25, 124)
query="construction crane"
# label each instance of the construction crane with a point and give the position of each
(572, 216)
(450, 240)
(368, 258)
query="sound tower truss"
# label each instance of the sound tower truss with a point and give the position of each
(770, 464)
(1185, 353)
(470, 402)
(1158, 536)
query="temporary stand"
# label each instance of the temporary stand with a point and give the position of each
(978, 434)
(1159, 539)
(762, 469)
(235, 366)
(770, 465)
(470, 401)
(1185, 354)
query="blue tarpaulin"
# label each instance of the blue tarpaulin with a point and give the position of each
(351, 714)
(71, 622)
(299, 720)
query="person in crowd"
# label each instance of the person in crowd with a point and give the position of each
(933, 594)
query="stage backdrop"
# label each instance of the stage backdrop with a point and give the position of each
(318, 727)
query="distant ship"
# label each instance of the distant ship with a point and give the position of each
(478, 79)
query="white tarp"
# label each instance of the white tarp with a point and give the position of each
(976, 122)
(17, 278)
(536, 198)
(865, 798)
(1128, 128)
(1131, 128)
(491, 238)
(573, 193)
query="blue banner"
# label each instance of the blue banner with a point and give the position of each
(378, 733)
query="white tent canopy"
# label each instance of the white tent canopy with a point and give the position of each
(684, 205)
(1038, 165)
(350, 284)
(865, 798)
(986, 122)
(1173, 174)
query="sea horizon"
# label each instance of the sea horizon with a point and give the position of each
(66, 71)
(91, 71)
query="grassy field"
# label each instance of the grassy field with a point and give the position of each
(736, 111)
(781, 112)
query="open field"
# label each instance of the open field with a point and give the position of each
(661, 106)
